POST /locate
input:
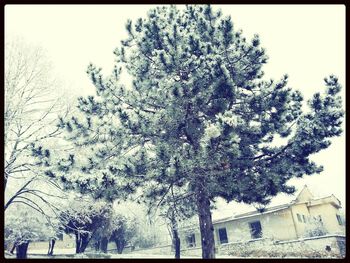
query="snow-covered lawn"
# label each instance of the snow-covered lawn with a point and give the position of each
(128, 255)
(55, 251)
(70, 252)
(136, 255)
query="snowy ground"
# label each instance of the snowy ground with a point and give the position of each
(69, 252)
(56, 251)
(160, 256)
(135, 255)
(132, 255)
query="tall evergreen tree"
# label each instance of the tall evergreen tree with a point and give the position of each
(199, 115)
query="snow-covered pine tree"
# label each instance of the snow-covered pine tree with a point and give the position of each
(199, 115)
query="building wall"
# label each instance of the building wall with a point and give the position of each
(183, 239)
(328, 213)
(304, 195)
(302, 210)
(277, 225)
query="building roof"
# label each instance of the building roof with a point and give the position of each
(252, 213)
(265, 211)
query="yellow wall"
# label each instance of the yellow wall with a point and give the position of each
(328, 213)
(278, 225)
(304, 195)
(183, 239)
(300, 209)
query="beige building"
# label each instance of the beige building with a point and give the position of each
(304, 216)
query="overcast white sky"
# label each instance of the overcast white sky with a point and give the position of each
(305, 41)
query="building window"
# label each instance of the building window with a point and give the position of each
(191, 240)
(299, 218)
(255, 229)
(340, 221)
(223, 235)
(304, 218)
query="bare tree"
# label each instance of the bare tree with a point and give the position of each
(23, 225)
(32, 104)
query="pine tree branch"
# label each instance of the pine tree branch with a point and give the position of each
(163, 196)
(132, 106)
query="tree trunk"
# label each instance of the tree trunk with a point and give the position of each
(205, 222)
(104, 244)
(120, 244)
(13, 247)
(77, 243)
(97, 245)
(176, 243)
(48, 252)
(84, 243)
(176, 239)
(21, 250)
(5, 181)
(51, 246)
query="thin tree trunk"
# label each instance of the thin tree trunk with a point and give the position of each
(104, 244)
(13, 247)
(21, 250)
(84, 243)
(51, 246)
(97, 245)
(5, 180)
(120, 244)
(48, 252)
(205, 222)
(176, 243)
(77, 243)
(176, 239)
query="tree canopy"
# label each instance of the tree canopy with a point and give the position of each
(199, 115)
